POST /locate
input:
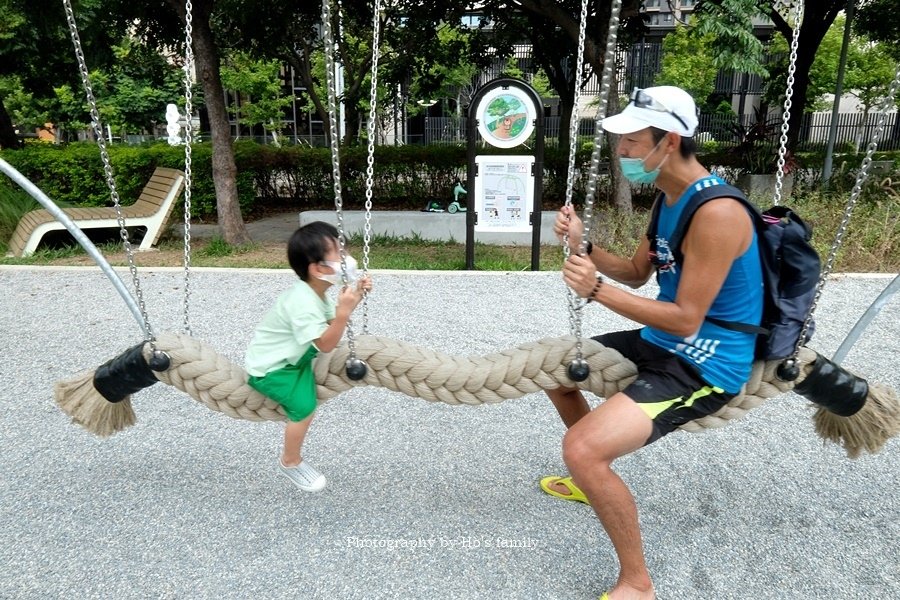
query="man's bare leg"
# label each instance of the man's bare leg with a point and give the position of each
(615, 428)
(571, 406)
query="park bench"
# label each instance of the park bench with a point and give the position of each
(151, 210)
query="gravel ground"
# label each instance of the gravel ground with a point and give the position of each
(424, 500)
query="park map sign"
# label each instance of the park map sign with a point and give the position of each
(504, 185)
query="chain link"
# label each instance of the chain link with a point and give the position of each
(370, 158)
(107, 168)
(786, 114)
(575, 304)
(861, 178)
(335, 155)
(188, 141)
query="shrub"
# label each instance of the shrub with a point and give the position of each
(73, 174)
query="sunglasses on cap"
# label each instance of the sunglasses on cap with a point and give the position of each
(642, 99)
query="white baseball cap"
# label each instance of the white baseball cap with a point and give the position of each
(665, 107)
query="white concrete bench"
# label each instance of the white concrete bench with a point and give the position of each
(430, 226)
(152, 210)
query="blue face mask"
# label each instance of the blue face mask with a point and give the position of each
(633, 168)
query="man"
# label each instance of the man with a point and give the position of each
(688, 367)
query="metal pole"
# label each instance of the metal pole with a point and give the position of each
(873, 310)
(838, 92)
(79, 236)
(294, 103)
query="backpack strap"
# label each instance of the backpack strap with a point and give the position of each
(654, 222)
(701, 197)
(698, 199)
(738, 326)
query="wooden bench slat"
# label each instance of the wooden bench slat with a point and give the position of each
(150, 201)
(147, 210)
(154, 193)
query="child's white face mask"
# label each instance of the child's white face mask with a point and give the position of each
(336, 278)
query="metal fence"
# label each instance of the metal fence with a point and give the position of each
(853, 130)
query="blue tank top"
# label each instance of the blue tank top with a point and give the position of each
(722, 356)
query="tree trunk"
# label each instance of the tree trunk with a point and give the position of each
(799, 101)
(299, 58)
(620, 188)
(224, 171)
(8, 137)
(351, 124)
(817, 18)
(354, 77)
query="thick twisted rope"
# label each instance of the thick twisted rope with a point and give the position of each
(216, 382)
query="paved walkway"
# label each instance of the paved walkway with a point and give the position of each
(428, 226)
(276, 228)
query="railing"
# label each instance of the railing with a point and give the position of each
(853, 129)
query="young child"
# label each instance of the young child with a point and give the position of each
(303, 322)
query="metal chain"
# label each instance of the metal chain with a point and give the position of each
(335, 156)
(609, 59)
(370, 159)
(861, 178)
(575, 304)
(107, 169)
(593, 173)
(188, 141)
(786, 114)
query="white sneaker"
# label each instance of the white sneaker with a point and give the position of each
(304, 476)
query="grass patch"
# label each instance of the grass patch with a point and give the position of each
(871, 242)
(219, 248)
(450, 256)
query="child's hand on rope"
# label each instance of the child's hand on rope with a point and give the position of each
(350, 296)
(364, 285)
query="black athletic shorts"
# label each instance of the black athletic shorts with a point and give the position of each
(669, 390)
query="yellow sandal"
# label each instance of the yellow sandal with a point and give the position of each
(574, 492)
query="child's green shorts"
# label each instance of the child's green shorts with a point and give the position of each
(293, 386)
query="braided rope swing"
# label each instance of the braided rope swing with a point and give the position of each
(213, 380)
(852, 413)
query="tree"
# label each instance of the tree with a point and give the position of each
(689, 63)
(291, 32)
(822, 74)
(133, 92)
(870, 71)
(870, 21)
(876, 19)
(36, 54)
(258, 81)
(455, 78)
(161, 24)
(728, 25)
(817, 19)
(34, 46)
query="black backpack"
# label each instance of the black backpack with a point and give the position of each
(790, 268)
